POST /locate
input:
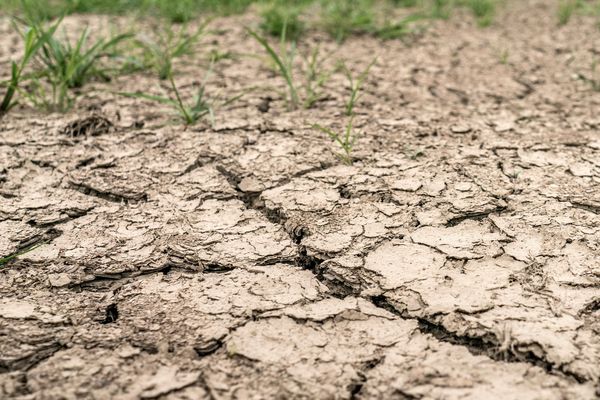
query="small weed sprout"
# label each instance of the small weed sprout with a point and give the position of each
(594, 78)
(64, 66)
(355, 85)
(405, 3)
(314, 71)
(340, 18)
(280, 16)
(346, 141)
(483, 10)
(32, 43)
(315, 78)
(284, 62)
(566, 8)
(73, 66)
(399, 29)
(159, 52)
(413, 153)
(190, 113)
(6, 259)
(439, 9)
(503, 56)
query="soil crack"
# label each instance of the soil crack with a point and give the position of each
(487, 345)
(108, 195)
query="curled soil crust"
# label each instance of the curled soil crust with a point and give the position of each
(457, 258)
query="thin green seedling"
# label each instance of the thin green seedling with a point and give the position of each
(159, 52)
(315, 74)
(74, 65)
(346, 141)
(593, 79)
(283, 61)
(439, 9)
(413, 153)
(63, 66)
(5, 260)
(189, 112)
(483, 10)
(217, 55)
(341, 18)
(281, 15)
(566, 8)
(399, 29)
(503, 56)
(32, 43)
(355, 85)
(315, 78)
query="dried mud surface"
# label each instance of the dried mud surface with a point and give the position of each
(458, 258)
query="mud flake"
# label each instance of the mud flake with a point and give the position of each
(424, 369)
(374, 230)
(274, 342)
(447, 290)
(435, 187)
(581, 169)
(469, 239)
(525, 247)
(302, 195)
(578, 264)
(164, 381)
(330, 308)
(431, 217)
(461, 129)
(13, 309)
(225, 234)
(541, 158)
(59, 280)
(407, 184)
(250, 184)
(330, 243)
(463, 186)
(402, 263)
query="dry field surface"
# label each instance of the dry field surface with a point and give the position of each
(458, 257)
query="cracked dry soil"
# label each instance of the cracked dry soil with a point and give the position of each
(458, 258)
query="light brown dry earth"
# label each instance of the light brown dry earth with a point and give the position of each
(458, 258)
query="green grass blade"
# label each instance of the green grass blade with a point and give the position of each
(180, 105)
(6, 259)
(285, 72)
(158, 99)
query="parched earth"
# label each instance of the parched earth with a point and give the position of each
(457, 258)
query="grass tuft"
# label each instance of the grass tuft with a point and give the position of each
(314, 72)
(60, 66)
(483, 10)
(345, 141)
(594, 77)
(32, 41)
(355, 85)
(315, 78)
(566, 8)
(189, 112)
(280, 16)
(159, 52)
(284, 61)
(399, 29)
(341, 18)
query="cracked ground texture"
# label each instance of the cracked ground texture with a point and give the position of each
(457, 258)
